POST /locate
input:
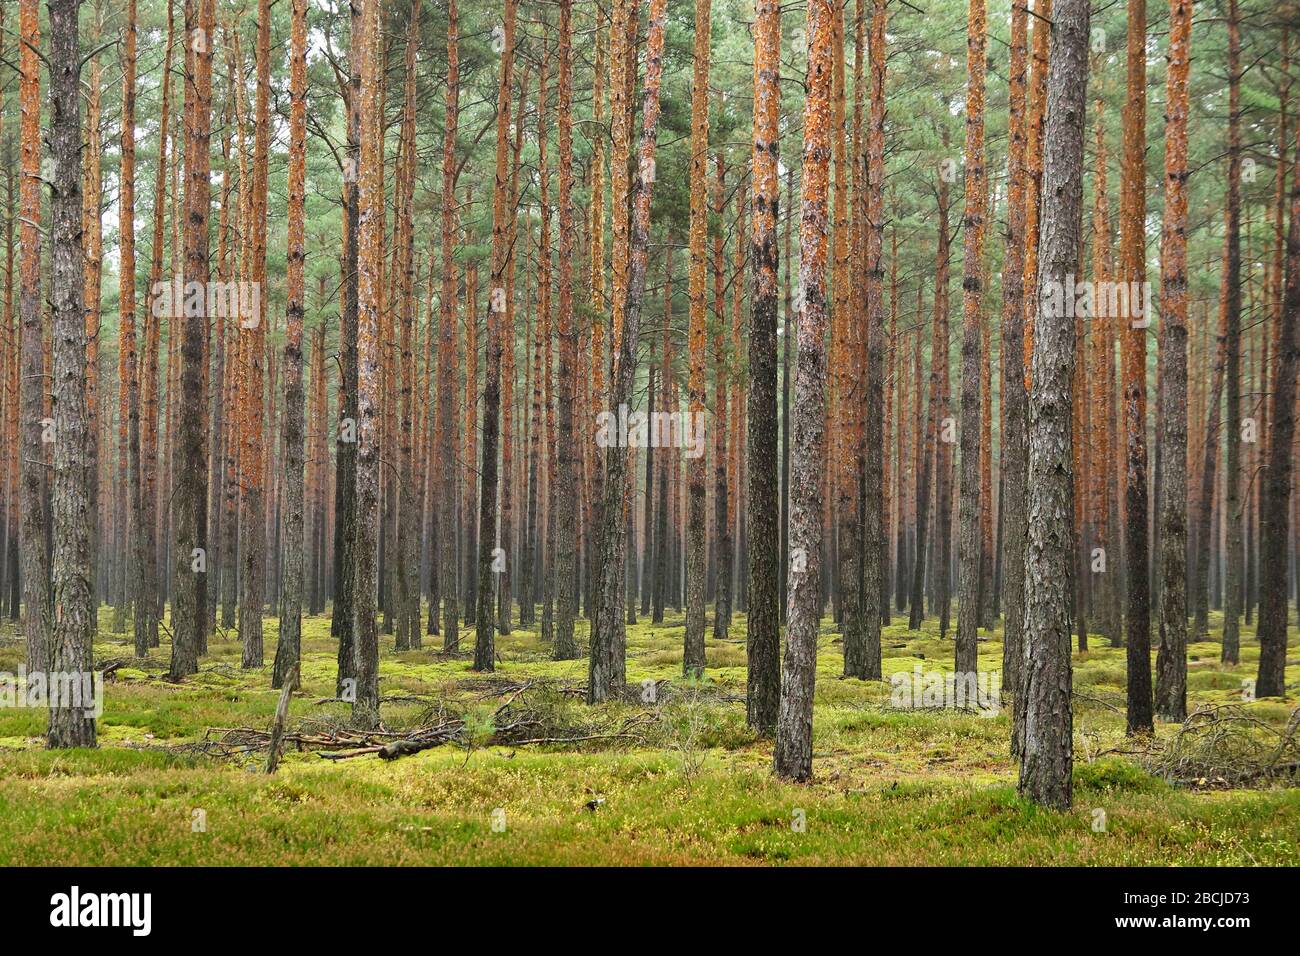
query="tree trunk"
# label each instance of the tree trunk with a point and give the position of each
(33, 515)
(344, 623)
(236, 365)
(253, 548)
(721, 436)
(966, 646)
(189, 498)
(446, 428)
(370, 225)
(693, 653)
(219, 560)
(792, 757)
(128, 362)
(566, 542)
(607, 669)
(9, 582)
(1232, 503)
(646, 582)
(848, 379)
(408, 484)
(1105, 586)
(148, 602)
(1047, 732)
(787, 351)
(469, 507)
(595, 398)
(667, 460)
(541, 403)
(70, 650)
(1202, 532)
(1274, 531)
(1036, 110)
(1132, 270)
(92, 280)
(485, 618)
(875, 514)
(763, 638)
(548, 546)
(289, 649)
(931, 457)
(1171, 661)
(504, 574)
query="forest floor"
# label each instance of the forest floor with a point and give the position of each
(679, 780)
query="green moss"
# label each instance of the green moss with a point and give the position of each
(892, 787)
(1110, 774)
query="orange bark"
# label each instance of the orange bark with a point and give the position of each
(1037, 116)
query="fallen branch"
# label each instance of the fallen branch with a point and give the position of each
(344, 755)
(413, 745)
(1226, 744)
(277, 727)
(514, 722)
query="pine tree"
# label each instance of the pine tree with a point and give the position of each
(190, 483)
(966, 648)
(447, 504)
(1272, 629)
(1232, 503)
(70, 649)
(289, 649)
(1046, 733)
(1132, 216)
(693, 654)
(793, 752)
(607, 668)
(875, 604)
(343, 624)
(763, 639)
(1014, 398)
(253, 547)
(1171, 661)
(485, 618)
(32, 509)
(365, 705)
(128, 359)
(566, 532)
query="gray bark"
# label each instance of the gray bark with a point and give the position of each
(70, 649)
(1048, 724)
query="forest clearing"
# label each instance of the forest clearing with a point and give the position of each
(682, 432)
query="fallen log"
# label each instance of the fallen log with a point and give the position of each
(346, 754)
(414, 745)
